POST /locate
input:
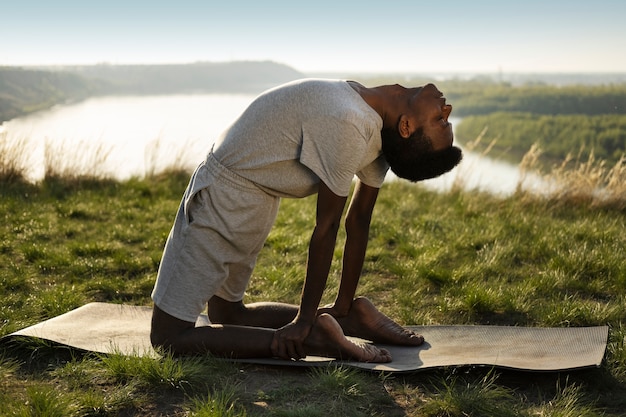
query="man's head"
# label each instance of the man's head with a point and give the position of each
(420, 147)
(414, 158)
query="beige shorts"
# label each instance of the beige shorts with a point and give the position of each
(221, 225)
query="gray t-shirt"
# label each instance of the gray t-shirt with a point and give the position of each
(297, 134)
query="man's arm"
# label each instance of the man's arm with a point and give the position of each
(288, 340)
(358, 221)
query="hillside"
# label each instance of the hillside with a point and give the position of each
(25, 90)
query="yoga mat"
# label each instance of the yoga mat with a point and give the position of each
(125, 329)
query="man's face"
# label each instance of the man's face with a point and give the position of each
(430, 111)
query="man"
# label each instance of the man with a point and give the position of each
(305, 137)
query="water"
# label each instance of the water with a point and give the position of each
(131, 136)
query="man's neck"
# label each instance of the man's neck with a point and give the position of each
(386, 100)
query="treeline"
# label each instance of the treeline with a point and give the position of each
(545, 100)
(25, 90)
(578, 120)
(556, 135)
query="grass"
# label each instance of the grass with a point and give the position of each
(434, 258)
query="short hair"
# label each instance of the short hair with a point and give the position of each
(414, 159)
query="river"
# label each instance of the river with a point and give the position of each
(126, 136)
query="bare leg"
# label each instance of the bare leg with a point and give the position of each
(326, 339)
(182, 337)
(364, 320)
(270, 315)
(276, 315)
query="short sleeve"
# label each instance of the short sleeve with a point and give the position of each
(333, 153)
(374, 174)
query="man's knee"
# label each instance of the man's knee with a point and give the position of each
(226, 312)
(165, 330)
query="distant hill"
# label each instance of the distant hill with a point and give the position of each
(25, 90)
(205, 77)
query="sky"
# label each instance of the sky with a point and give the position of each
(316, 36)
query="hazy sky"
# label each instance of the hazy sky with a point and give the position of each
(320, 35)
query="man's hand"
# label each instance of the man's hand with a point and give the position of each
(288, 342)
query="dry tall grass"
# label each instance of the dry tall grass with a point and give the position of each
(161, 157)
(22, 160)
(13, 159)
(573, 181)
(593, 182)
(73, 161)
(577, 181)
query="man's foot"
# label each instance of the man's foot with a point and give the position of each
(364, 320)
(327, 339)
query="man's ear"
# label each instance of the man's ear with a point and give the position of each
(403, 127)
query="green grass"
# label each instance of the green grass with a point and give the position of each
(449, 258)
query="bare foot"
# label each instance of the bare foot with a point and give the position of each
(327, 339)
(364, 320)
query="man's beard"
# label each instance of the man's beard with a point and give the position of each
(414, 158)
